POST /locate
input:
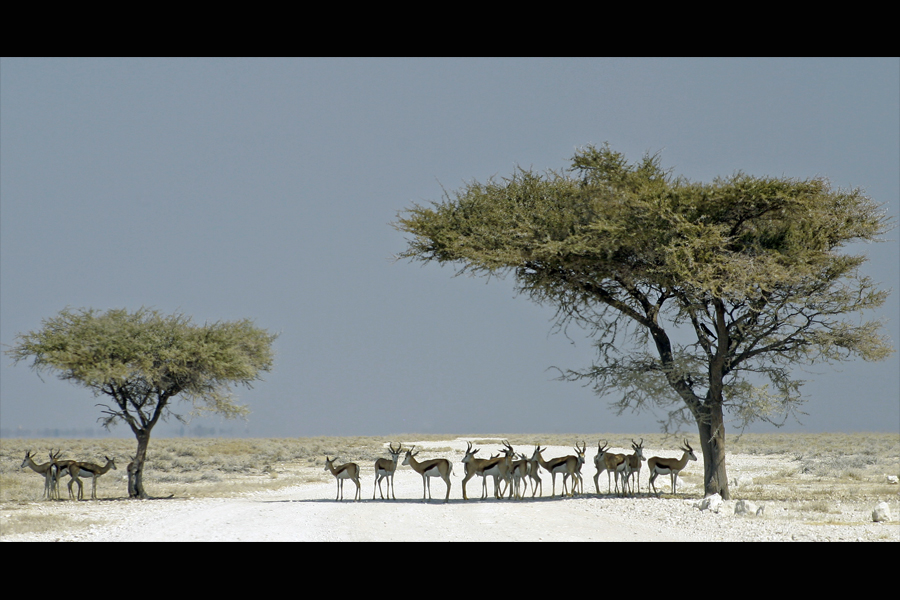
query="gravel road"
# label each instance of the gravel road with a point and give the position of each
(309, 513)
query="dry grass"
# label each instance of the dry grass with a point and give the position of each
(824, 469)
(222, 467)
(185, 467)
(19, 519)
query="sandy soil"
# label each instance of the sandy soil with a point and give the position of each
(309, 513)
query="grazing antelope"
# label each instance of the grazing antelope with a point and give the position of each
(567, 465)
(44, 469)
(670, 466)
(345, 471)
(609, 462)
(85, 469)
(633, 465)
(436, 467)
(385, 468)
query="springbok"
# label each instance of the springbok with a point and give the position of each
(519, 473)
(609, 462)
(341, 472)
(576, 475)
(567, 465)
(670, 466)
(85, 469)
(534, 474)
(58, 470)
(633, 465)
(44, 469)
(501, 470)
(436, 467)
(385, 468)
(476, 466)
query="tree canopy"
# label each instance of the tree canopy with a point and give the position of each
(142, 360)
(699, 296)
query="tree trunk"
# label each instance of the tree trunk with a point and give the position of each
(132, 486)
(712, 441)
(136, 468)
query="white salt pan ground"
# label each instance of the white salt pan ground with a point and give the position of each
(309, 513)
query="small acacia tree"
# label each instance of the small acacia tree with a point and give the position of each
(143, 360)
(700, 297)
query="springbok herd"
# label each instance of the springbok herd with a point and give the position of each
(54, 470)
(515, 470)
(510, 469)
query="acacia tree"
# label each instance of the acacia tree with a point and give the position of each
(143, 360)
(700, 297)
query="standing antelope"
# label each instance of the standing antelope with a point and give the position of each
(534, 474)
(385, 468)
(436, 467)
(86, 469)
(61, 468)
(577, 479)
(476, 466)
(345, 471)
(58, 468)
(670, 466)
(501, 470)
(633, 465)
(567, 465)
(519, 472)
(44, 469)
(609, 462)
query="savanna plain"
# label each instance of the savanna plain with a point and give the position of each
(803, 487)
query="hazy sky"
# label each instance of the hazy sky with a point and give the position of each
(264, 189)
